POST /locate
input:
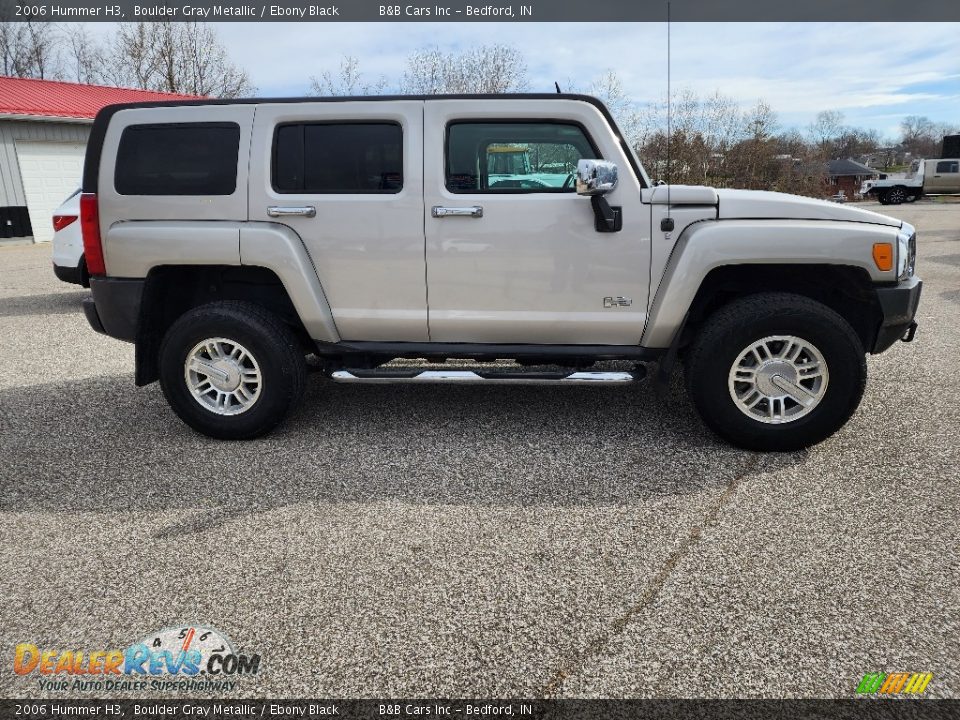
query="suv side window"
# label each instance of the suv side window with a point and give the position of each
(178, 159)
(358, 157)
(949, 166)
(515, 156)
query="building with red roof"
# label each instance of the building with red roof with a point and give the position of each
(44, 126)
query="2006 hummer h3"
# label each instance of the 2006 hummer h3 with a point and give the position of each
(229, 240)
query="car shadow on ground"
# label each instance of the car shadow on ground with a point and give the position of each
(104, 445)
(61, 303)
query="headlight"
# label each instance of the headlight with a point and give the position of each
(906, 252)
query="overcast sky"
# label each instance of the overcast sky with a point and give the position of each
(874, 73)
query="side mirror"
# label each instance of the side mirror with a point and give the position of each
(595, 177)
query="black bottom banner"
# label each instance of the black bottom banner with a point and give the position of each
(482, 709)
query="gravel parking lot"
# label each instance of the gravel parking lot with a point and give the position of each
(451, 541)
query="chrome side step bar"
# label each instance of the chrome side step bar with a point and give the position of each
(469, 377)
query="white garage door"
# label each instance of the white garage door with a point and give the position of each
(51, 172)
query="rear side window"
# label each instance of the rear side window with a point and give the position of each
(178, 159)
(338, 158)
(950, 166)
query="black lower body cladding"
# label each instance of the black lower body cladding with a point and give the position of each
(899, 306)
(115, 306)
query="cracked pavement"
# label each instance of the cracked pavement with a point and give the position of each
(470, 541)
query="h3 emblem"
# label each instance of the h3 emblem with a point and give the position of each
(619, 301)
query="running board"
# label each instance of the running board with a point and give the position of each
(469, 377)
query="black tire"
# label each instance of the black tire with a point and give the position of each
(883, 198)
(733, 328)
(896, 195)
(281, 361)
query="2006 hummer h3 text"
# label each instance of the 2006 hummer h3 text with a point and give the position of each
(229, 240)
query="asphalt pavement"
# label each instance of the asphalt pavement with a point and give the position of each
(473, 541)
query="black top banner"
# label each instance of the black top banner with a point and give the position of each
(479, 11)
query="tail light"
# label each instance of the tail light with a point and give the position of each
(90, 228)
(61, 221)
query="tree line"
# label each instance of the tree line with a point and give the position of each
(708, 140)
(178, 57)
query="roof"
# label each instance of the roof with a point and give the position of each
(26, 97)
(849, 167)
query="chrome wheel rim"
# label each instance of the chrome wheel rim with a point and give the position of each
(223, 376)
(778, 379)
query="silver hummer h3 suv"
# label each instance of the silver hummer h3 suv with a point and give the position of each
(229, 240)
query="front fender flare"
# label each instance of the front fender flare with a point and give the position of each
(709, 245)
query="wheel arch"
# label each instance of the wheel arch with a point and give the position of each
(172, 290)
(828, 261)
(845, 289)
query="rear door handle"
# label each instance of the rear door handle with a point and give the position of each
(441, 212)
(293, 211)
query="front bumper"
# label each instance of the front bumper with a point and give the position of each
(898, 305)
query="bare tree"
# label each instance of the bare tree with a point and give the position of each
(183, 58)
(824, 130)
(85, 59)
(348, 80)
(714, 142)
(921, 136)
(609, 89)
(30, 50)
(11, 41)
(485, 69)
(207, 68)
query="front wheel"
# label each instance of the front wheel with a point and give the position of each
(231, 370)
(776, 371)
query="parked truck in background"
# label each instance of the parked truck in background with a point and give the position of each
(940, 176)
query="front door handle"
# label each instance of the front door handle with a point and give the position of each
(441, 212)
(295, 211)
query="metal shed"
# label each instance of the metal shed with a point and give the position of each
(44, 126)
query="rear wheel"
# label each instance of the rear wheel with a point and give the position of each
(231, 370)
(776, 371)
(896, 195)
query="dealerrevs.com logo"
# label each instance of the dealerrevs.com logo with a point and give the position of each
(180, 658)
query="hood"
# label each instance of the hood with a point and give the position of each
(752, 204)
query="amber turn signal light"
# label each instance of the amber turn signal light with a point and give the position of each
(883, 255)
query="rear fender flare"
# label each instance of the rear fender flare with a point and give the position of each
(278, 248)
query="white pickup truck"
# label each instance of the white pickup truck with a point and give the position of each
(940, 176)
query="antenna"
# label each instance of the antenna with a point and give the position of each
(666, 225)
(557, 86)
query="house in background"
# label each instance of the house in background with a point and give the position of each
(848, 175)
(886, 157)
(44, 126)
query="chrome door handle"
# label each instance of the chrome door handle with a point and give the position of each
(297, 211)
(441, 212)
